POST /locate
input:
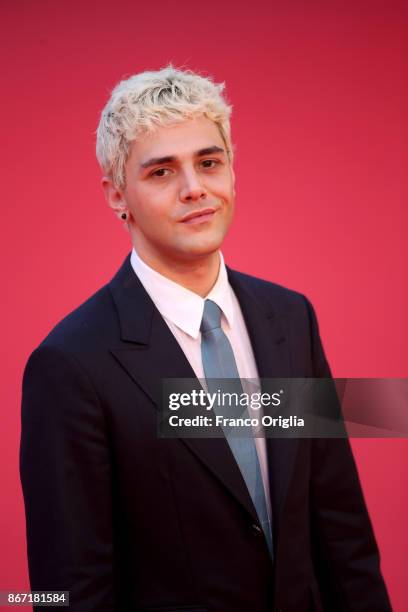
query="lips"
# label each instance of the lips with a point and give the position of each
(199, 216)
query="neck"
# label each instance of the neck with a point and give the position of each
(199, 275)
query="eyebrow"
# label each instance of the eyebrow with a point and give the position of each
(167, 159)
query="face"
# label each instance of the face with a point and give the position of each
(179, 192)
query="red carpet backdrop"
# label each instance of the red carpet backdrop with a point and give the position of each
(320, 124)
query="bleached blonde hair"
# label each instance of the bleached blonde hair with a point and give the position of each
(149, 100)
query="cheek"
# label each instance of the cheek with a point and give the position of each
(150, 207)
(222, 187)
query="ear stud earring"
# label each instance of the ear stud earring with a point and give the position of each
(124, 216)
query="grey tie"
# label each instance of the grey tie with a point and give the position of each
(219, 362)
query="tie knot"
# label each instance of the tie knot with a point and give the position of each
(211, 316)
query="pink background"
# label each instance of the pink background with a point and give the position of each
(320, 124)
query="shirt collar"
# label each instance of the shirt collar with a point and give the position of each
(179, 305)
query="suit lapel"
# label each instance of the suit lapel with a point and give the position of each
(269, 333)
(149, 352)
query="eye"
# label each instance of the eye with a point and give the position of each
(160, 172)
(210, 163)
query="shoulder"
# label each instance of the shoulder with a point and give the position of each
(75, 346)
(280, 303)
(70, 350)
(93, 325)
(95, 322)
(273, 298)
(87, 334)
(90, 320)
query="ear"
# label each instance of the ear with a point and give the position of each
(114, 197)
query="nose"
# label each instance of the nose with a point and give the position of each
(191, 189)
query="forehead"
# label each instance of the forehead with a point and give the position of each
(180, 139)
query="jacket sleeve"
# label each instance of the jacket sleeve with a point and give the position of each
(346, 557)
(66, 479)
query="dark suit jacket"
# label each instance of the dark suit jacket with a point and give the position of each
(130, 522)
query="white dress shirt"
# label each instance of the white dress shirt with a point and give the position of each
(183, 309)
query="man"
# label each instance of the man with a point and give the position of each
(125, 520)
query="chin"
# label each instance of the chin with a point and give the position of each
(203, 247)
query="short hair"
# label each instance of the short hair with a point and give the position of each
(152, 99)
